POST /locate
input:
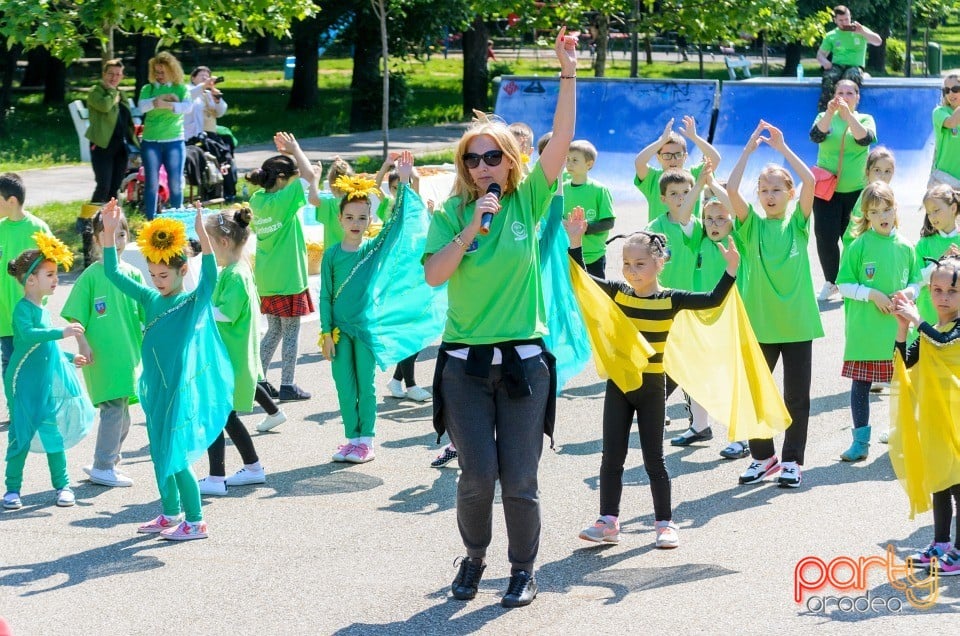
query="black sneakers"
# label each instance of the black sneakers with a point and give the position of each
(468, 577)
(269, 388)
(521, 591)
(291, 393)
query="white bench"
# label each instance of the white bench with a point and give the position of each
(742, 63)
(81, 121)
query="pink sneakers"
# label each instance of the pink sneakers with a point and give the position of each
(361, 454)
(159, 524)
(186, 531)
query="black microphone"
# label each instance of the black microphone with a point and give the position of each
(487, 217)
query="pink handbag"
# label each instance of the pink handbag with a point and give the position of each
(826, 180)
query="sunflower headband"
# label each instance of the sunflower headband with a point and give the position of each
(51, 249)
(162, 239)
(356, 187)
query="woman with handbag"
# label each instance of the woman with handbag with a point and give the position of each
(844, 137)
(946, 123)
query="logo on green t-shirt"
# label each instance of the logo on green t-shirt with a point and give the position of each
(100, 305)
(519, 231)
(869, 270)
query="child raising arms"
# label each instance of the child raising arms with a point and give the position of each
(938, 238)
(642, 299)
(877, 265)
(187, 384)
(778, 293)
(42, 389)
(281, 266)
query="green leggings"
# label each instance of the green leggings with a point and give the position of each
(178, 492)
(353, 370)
(57, 462)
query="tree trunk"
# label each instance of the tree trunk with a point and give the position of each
(265, 45)
(700, 56)
(381, 12)
(634, 40)
(305, 93)
(107, 49)
(146, 46)
(55, 83)
(603, 41)
(365, 108)
(8, 67)
(648, 49)
(36, 72)
(791, 58)
(475, 83)
(877, 55)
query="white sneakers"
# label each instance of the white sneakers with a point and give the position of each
(111, 478)
(270, 422)
(828, 291)
(415, 393)
(210, 487)
(246, 477)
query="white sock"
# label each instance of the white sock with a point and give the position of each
(254, 467)
(216, 480)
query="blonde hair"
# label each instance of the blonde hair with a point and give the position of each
(946, 195)
(464, 186)
(773, 170)
(173, 65)
(877, 193)
(655, 244)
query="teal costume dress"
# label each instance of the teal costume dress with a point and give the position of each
(49, 411)
(186, 387)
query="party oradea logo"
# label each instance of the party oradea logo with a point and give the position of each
(814, 579)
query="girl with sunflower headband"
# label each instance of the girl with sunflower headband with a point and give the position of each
(186, 386)
(280, 270)
(375, 309)
(49, 412)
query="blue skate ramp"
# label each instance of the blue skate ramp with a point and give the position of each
(618, 116)
(901, 108)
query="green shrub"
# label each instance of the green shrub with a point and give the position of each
(896, 55)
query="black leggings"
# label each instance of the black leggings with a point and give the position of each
(943, 513)
(830, 220)
(797, 362)
(618, 411)
(860, 403)
(265, 401)
(405, 371)
(240, 438)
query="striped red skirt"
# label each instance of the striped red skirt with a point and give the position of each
(868, 370)
(288, 306)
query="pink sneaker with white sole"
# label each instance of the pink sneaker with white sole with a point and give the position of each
(361, 454)
(159, 524)
(186, 531)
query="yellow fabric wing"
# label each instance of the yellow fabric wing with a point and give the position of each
(904, 440)
(620, 352)
(713, 354)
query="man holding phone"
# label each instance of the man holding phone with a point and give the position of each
(847, 47)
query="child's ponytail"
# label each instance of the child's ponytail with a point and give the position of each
(273, 169)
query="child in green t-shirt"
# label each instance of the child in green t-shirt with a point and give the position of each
(670, 150)
(17, 227)
(938, 238)
(328, 206)
(877, 266)
(778, 293)
(113, 333)
(596, 201)
(880, 167)
(684, 231)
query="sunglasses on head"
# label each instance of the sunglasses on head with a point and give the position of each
(951, 89)
(491, 158)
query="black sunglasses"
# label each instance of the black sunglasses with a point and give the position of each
(491, 158)
(951, 89)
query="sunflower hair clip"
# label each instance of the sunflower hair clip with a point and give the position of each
(162, 239)
(53, 249)
(356, 187)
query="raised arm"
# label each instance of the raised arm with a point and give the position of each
(642, 161)
(554, 156)
(384, 169)
(287, 144)
(737, 204)
(110, 213)
(807, 181)
(689, 130)
(690, 201)
(873, 39)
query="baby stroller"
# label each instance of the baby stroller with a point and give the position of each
(131, 188)
(203, 173)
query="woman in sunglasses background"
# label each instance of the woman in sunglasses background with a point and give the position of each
(946, 126)
(494, 385)
(843, 137)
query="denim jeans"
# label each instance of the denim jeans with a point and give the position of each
(171, 155)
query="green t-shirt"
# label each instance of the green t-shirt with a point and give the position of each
(682, 252)
(495, 294)
(281, 258)
(931, 247)
(235, 296)
(328, 213)
(385, 209)
(848, 48)
(336, 265)
(161, 124)
(650, 188)
(711, 266)
(946, 150)
(884, 263)
(853, 172)
(778, 292)
(597, 204)
(113, 324)
(15, 238)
